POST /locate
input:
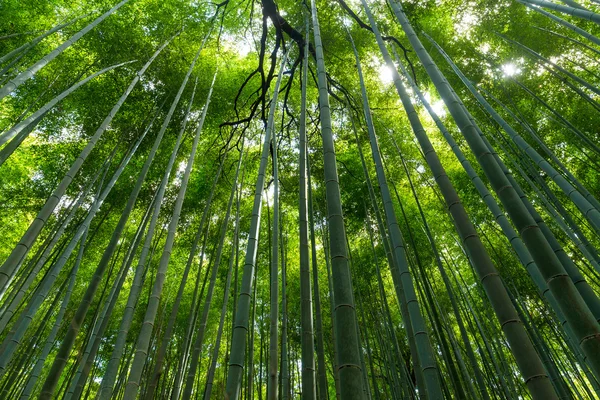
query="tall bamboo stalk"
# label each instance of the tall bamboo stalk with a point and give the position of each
(345, 320)
(31, 71)
(308, 346)
(424, 349)
(240, 330)
(12, 264)
(215, 356)
(581, 319)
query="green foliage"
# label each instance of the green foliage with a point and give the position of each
(245, 48)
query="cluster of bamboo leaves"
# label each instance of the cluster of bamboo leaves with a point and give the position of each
(400, 201)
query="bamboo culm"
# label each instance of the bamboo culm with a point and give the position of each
(574, 308)
(240, 329)
(424, 349)
(345, 318)
(12, 264)
(31, 71)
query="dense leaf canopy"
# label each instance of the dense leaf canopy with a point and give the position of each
(70, 277)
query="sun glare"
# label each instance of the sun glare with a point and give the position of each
(510, 69)
(239, 45)
(439, 108)
(385, 74)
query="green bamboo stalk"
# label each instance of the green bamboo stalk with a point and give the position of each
(308, 347)
(159, 358)
(27, 122)
(14, 83)
(215, 356)
(560, 119)
(581, 319)
(394, 272)
(14, 340)
(192, 319)
(333, 349)
(25, 47)
(320, 345)
(500, 217)
(424, 349)
(12, 264)
(39, 365)
(586, 208)
(347, 345)
(14, 301)
(240, 330)
(575, 12)
(197, 348)
(573, 4)
(531, 131)
(21, 136)
(286, 380)
(578, 42)
(484, 394)
(272, 382)
(86, 361)
(143, 340)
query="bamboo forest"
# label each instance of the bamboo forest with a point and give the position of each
(317, 199)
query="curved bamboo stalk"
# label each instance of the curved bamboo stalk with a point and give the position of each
(574, 308)
(12, 264)
(574, 28)
(16, 142)
(240, 329)
(576, 12)
(17, 81)
(25, 47)
(31, 71)
(12, 132)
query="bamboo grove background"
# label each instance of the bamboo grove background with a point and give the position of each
(317, 200)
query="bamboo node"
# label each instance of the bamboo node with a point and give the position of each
(503, 188)
(348, 366)
(528, 227)
(344, 305)
(488, 275)
(538, 376)
(589, 337)
(509, 321)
